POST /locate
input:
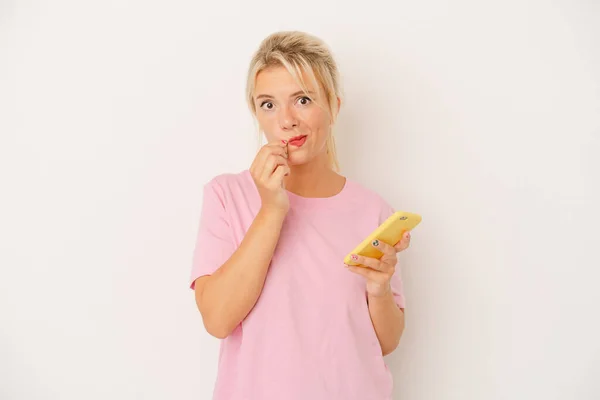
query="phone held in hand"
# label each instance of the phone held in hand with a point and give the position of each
(390, 232)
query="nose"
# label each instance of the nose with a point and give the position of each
(287, 119)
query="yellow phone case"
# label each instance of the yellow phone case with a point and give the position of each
(390, 232)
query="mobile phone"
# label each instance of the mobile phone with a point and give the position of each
(390, 232)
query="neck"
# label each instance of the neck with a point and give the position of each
(314, 179)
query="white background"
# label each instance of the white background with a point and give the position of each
(482, 116)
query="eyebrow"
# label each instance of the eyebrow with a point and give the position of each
(268, 96)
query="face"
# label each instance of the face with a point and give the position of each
(285, 112)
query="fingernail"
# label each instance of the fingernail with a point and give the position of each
(375, 242)
(283, 141)
(354, 257)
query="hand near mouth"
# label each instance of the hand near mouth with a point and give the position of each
(268, 170)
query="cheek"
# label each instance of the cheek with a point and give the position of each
(318, 121)
(268, 125)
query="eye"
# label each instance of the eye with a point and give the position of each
(268, 104)
(304, 100)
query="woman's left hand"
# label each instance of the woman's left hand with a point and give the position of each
(379, 272)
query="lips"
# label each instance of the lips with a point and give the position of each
(297, 140)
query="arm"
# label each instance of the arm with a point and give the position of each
(226, 297)
(387, 317)
(388, 320)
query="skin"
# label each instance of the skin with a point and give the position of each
(284, 111)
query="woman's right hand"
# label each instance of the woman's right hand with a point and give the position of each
(268, 169)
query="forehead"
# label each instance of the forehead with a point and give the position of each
(277, 81)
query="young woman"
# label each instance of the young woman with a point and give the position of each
(268, 271)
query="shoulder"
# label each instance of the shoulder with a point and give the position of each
(231, 187)
(227, 182)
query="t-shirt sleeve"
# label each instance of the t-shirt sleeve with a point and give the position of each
(214, 240)
(396, 281)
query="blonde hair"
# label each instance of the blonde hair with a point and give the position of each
(300, 52)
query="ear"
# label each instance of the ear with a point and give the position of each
(339, 105)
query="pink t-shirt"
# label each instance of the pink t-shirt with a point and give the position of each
(310, 335)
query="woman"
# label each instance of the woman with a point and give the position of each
(268, 271)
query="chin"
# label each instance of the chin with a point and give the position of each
(306, 155)
(296, 159)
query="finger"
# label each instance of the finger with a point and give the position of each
(369, 262)
(270, 165)
(278, 148)
(403, 243)
(271, 148)
(276, 180)
(370, 274)
(387, 250)
(263, 154)
(281, 147)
